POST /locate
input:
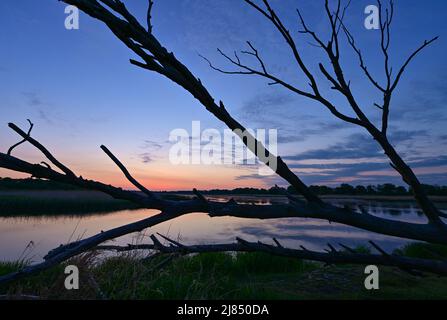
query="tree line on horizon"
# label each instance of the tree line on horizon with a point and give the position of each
(342, 189)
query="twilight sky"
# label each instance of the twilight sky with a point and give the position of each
(79, 89)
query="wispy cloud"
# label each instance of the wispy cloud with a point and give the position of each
(44, 116)
(152, 145)
(32, 99)
(426, 102)
(266, 107)
(359, 160)
(145, 157)
(357, 146)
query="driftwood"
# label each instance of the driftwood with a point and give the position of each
(155, 57)
(332, 256)
(346, 255)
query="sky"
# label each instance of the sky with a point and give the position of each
(80, 91)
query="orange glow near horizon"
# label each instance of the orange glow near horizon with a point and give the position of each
(161, 175)
(164, 177)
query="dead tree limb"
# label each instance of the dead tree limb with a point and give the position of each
(334, 256)
(295, 208)
(155, 57)
(128, 175)
(28, 134)
(41, 148)
(342, 85)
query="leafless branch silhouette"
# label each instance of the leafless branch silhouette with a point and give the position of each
(155, 57)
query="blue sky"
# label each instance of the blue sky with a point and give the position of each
(80, 91)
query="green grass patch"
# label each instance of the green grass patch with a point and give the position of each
(423, 250)
(223, 276)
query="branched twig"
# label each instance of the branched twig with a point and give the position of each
(332, 257)
(409, 59)
(383, 252)
(149, 17)
(199, 196)
(177, 244)
(157, 58)
(28, 134)
(35, 143)
(127, 174)
(341, 84)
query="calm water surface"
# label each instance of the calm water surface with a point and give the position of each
(32, 237)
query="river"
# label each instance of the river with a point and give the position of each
(31, 237)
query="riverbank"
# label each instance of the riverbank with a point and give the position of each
(222, 276)
(399, 198)
(78, 202)
(58, 202)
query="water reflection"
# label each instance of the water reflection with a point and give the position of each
(47, 232)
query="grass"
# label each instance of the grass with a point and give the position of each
(62, 202)
(423, 250)
(7, 267)
(225, 276)
(22, 205)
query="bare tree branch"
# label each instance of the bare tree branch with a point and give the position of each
(351, 42)
(128, 175)
(295, 208)
(340, 84)
(156, 58)
(131, 33)
(28, 134)
(334, 256)
(35, 143)
(387, 90)
(271, 15)
(409, 59)
(149, 12)
(247, 70)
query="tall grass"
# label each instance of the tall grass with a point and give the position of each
(135, 275)
(128, 276)
(423, 250)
